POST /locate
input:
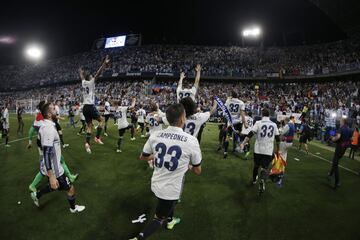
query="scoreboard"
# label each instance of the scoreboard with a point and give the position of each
(117, 41)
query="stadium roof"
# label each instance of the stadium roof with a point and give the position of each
(66, 28)
(345, 13)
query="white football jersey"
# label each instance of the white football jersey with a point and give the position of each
(265, 131)
(49, 137)
(107, 108)
(140, 115)
(121, 115)
(186, 92)
(250, 122)
(235, 106)
(88, 89)
(174, 150)
(193, 123)
(6, 123)
(154, 125)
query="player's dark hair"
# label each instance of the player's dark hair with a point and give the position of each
(265, 112)
(153, 107)
(345, 121)
(45, 109)
(234, 94)
(249, 113)
(189, 105)
(86, 73)
(39, 106)
(174, 112)
(292, 117)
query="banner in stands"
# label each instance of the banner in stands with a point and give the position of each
(133, 74)
(273, 75)
(165, 74)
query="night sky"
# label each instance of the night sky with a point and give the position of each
(67, 28)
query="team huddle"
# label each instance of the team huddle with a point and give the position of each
(172, 147)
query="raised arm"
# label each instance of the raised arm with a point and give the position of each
(82, 73)
(214, 107)
(182, 76)
(197, 77)
(104, 63)
(133, 101)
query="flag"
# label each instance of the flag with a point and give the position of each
(225, 111)
(278, 165)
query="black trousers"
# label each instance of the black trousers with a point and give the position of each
(339, 152)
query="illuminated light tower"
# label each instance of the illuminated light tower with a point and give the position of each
(251, 34)
(34, 52)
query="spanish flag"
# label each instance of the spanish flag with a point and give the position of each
(278, 165)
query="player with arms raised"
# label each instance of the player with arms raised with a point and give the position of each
(123, 124)
(188, 92)
(89, 110)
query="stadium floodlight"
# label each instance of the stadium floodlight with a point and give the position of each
(34, 52)
(251, 32)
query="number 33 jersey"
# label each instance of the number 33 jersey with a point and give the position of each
(265, 131)
(194, 123)
(235, 106)
(173, 150)
(88, 89)
(186, 92)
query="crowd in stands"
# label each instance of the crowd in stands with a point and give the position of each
(237, 62)
(322, 99)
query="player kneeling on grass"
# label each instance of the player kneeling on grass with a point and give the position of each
(50, 164)
(172, 150)
(123, 124)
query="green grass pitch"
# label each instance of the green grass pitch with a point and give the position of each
(219, 204)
